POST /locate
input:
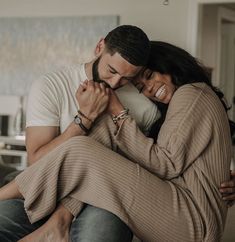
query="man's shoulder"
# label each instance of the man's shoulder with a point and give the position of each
(62, 77)
(64, 74)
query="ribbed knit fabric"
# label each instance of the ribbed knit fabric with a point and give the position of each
(166, 191)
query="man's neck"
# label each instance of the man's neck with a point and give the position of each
(88, 69)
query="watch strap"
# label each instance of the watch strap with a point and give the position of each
(81, 125)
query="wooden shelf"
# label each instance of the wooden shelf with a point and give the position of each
(9, 149)
(13, 140)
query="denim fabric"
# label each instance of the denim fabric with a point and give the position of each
(97, 225)
(92, 225)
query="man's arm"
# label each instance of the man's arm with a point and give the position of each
(227, 190)
(41, 140)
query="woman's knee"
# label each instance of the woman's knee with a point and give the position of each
(79, 142)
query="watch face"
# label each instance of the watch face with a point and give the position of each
(77, 120)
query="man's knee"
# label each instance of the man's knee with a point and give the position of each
(98, 225)
(11, 217)
(14, 223)
(11, 209)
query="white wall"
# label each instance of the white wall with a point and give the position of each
(158, 21)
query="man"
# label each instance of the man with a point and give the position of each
(52, 106)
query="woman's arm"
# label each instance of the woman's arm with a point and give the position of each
(186, 133)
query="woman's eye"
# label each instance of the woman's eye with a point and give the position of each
(140, 87)
(149, 75)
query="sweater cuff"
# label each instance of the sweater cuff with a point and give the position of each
(124, 128)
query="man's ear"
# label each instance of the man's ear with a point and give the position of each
(99, 47)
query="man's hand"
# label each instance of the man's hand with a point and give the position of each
(227, 190)
(92, 98)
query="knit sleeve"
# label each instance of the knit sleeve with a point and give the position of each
(182, 138)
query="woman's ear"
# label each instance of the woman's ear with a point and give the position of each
(99, 48)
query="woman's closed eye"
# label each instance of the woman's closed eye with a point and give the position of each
(139, 86)
(112, 71)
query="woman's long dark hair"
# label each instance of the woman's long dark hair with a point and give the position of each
(184, 69)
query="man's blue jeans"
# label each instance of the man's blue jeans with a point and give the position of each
(92, 224)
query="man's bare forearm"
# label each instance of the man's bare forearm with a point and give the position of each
(34, 154)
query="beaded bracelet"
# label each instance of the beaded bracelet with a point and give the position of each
(122, 115)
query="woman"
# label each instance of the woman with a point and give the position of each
(166, 190)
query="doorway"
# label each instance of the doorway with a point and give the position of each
(216, 47)
(227, 67)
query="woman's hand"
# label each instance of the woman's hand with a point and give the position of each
(227, 190)
(114, 106)
(92, 98)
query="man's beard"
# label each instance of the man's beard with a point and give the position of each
(95, 73)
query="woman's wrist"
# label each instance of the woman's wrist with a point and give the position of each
(115, 111)
(123, 114)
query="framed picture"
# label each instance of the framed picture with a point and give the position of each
(31, 47)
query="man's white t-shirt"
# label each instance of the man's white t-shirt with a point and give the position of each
(52, 101)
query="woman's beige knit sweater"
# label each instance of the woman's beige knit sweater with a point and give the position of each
(165, 191)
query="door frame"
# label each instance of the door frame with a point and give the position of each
(193, 21)
(194, 31)
(228, 15)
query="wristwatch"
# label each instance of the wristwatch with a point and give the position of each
(78, 121)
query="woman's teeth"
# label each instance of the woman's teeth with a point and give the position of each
(160, 91)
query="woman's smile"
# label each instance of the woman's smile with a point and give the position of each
(156, 86)
(161, 92)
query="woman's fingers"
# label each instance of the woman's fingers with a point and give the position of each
(228, 197)
(228, 190)
(230, 183)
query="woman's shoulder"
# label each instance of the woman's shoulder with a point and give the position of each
(188, 93)
(191, 96)
(196, 88)
(194, 92)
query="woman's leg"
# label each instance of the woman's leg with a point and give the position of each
(85, 170)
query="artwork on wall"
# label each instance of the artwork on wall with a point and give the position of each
(31, 47)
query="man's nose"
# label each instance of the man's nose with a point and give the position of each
(115, 81)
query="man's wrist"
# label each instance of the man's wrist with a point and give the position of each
(75, 130)
(91, 120)
(91, 117)
(79, 120)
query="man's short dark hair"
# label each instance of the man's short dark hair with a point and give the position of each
(130, 42)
